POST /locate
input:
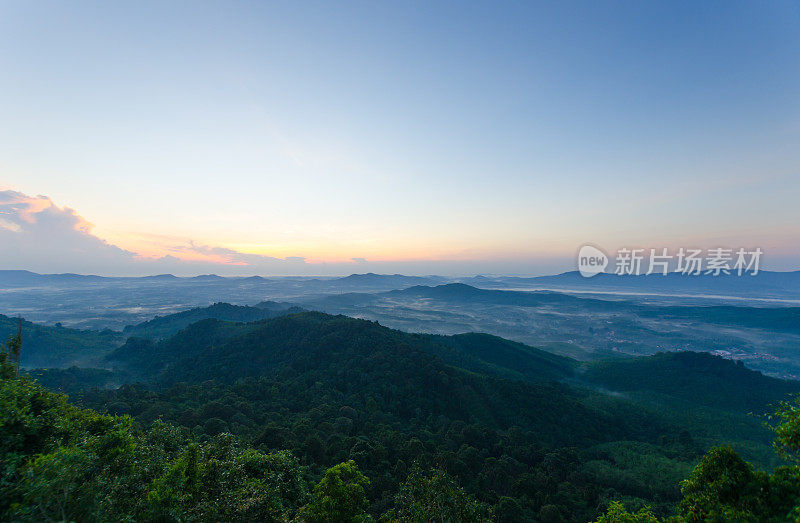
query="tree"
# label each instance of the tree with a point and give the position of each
(13, 347)
(617, 513)
(723, 487)
(509, 510)
(786, 480)
(435, 496)
(787, 441)
(339, 496)
(59, 462)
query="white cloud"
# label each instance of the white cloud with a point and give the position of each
(36, 234)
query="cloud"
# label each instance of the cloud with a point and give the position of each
(38, 235)
(35, 233)
(227, 256)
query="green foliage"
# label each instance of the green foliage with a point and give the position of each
(219, 481)
(8, 369)
(59, 462)
(145, 358)
(354, 400)
(75, 379)
(787, 441)
(165, 326)
(724, 487)
(436, 497)
(332, 389)
(497, 356)
(701, 378)
(47, 346)
(340, 496)
(617, 513)
(628, 467)
(13, 347)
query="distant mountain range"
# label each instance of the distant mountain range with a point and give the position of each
(19, 277)
(765, 285)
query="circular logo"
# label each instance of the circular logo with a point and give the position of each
(591, 261)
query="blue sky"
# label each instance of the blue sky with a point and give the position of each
(448, 138)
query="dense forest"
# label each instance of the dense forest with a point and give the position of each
(57, 346)
(312, 417)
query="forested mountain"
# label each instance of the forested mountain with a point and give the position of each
(501, 429)
(480, 352)
(695, 377)
(62, 463)
(61, 347)
(332, 388)
(146, 358)
(165, 326)
(587, 328)
(493, 355)
(73, 380)
(496, 415)
(56, 346)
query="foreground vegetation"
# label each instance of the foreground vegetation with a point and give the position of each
(318, 418)
(63, 463)
(724, 487)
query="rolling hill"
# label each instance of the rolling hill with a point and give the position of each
(693, 377)
(164, 326)
(55, 346)
(494, 413)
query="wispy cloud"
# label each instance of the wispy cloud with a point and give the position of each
(224, 255)
(39, 235)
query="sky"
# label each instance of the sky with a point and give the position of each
(455, 138)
